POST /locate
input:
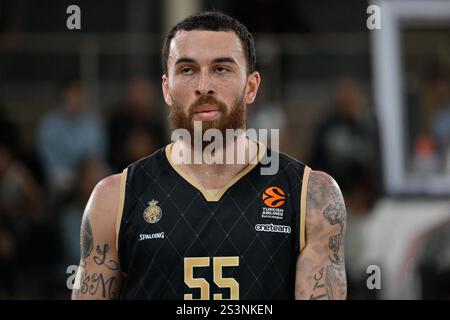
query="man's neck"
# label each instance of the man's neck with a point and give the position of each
(217, 175)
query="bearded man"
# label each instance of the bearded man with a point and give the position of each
(165, 229)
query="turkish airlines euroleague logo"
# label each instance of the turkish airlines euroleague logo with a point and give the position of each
(274, 197)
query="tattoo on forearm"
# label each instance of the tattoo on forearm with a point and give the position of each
(97, 282)
(86, 239)
(318, 286)
(331, 281)
(100, 258)
(94, 283)
(335, 281)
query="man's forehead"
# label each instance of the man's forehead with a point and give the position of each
(199, 42)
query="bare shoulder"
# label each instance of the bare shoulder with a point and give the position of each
(102, 207)
(108, 187)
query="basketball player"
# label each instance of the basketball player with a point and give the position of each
(166, 230)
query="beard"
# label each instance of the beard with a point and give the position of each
(229, 118)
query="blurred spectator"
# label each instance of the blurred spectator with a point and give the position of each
(425, 159)
(425, 268)
(138, 128)
(265, 114)
(19, 193)
(67, 135)
(346, 146)
(440, 118)
(89, 173)
(21, 210)
(434, 263)
(9, 131)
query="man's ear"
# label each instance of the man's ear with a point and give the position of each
(165, 89)
(252, 87)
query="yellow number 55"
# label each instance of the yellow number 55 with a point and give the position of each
(218, 264)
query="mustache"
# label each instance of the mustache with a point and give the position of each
(202, 100)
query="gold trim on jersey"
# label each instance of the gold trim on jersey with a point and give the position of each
(214, 195)
(123, 180)
(303, 197)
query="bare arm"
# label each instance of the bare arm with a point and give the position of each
(99, 275)
(320, 266)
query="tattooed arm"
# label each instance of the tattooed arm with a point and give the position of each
(99, 275)
(320, 266)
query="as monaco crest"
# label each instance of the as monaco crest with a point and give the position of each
(152, 213)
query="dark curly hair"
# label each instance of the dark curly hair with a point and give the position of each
(213, 21)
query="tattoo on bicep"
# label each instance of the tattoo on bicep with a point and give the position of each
(335, 213)
(336, 245)
(87, 242)
(335, 283)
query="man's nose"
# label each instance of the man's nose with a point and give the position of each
(205, 85)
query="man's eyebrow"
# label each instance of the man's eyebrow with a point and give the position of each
(184, 60)
(225, 59)
(215, 60)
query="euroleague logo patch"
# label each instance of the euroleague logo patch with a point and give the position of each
(274, 197)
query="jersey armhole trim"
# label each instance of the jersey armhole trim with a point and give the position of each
(303, 197)
(123, 181)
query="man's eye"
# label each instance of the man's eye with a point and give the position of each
(221, 70)
(186, 71)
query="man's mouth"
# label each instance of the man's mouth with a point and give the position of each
(206, 113)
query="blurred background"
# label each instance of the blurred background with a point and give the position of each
(370, 107)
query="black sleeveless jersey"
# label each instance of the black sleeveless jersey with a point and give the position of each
(176, 240)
